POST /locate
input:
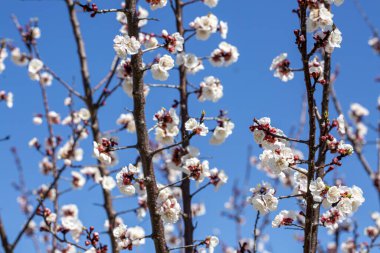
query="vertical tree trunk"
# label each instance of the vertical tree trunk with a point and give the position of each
(143, 146)
(309, 237)
(185, 186)
(323, 147)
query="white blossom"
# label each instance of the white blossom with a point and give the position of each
(278, 159)
(284, 218)
(371, 231)
(51, 217)
(127, 121)
(124, 179)
(316, 69)
(36, 32)
(70, 151)
(151, 42)
(357, 111)
(160, 70)
(336, 2)
(7, 97)
(341, 124)
(224, 55)
(167, 126)
(211, 3)
(345, 149)
(101, 153)
(217, 178)
(3, 56)
(35, 65)
(331, 218)
(69, 210)
(211, 243)
(137, 235)
(84, 114)
(198, 209)
(280, 65)
(19, 58)
(195, 169)
(194, 126)
(155, 4)
(374, 42)
(333, 194)
(77, 180)
(262, 198)
(191, 62)
(221, 132)
(334, 40)
(210, 89)
(223, 29)
(124, 45)
(92, 172)
(173, 42)
(170, 210)
(108, 183)
(319, 17)
(205, 26)
(316, 188)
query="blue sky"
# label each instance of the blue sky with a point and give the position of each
(260, 29)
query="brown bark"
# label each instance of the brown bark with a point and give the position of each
(309, 236)
(321, 160)
(143, 147)
(312, 214)
(4, 239)
(185, 186)
(323, 130)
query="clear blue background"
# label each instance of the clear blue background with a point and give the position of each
(260, 29)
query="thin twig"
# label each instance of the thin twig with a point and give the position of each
(255, 232)
(172, 184)
(292, 196)
(200, 189)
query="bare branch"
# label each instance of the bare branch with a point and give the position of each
(255, 232)
(172, 86)
(65, 84)
(200, 189)
(108, 78)
(172, 145)
(292, 196)
(5, 138)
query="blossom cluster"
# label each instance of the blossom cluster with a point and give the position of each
(70, 221)
(169, 208)
(276, 155)
(187, 161)
(103, 150)
(206, 25)
(167, 125)
(262, 198)
(321, 18)
(341, 200)
(125, 178)
(128, 237)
